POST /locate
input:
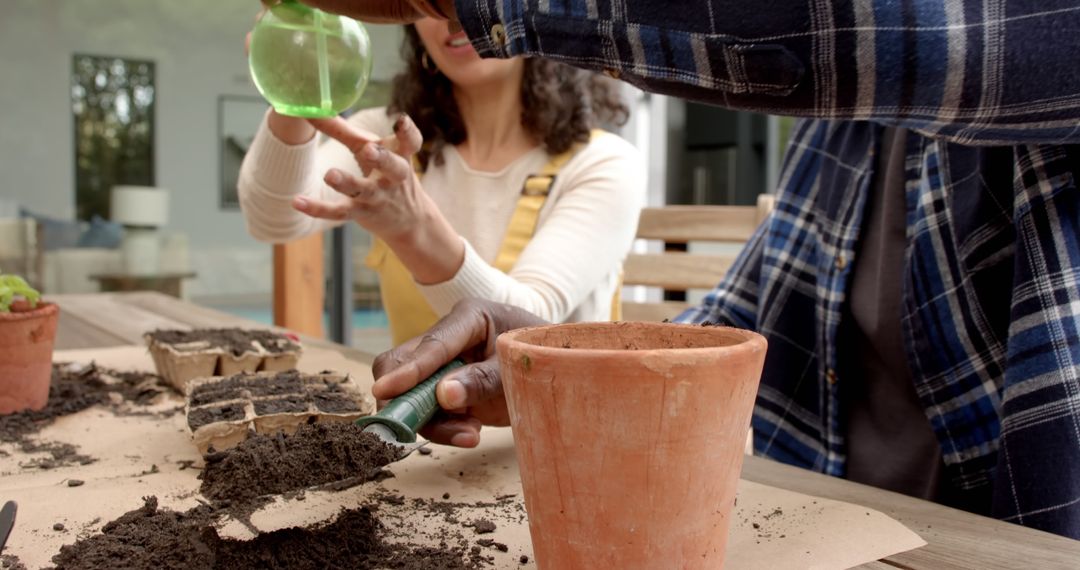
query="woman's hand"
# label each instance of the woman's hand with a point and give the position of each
(389, 202)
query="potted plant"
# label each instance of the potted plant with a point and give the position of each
(27, 333)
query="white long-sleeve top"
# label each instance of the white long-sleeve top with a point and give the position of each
(568, 272)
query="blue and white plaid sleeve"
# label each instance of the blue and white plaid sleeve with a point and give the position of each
(977, 72)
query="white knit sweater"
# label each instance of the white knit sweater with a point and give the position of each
(569, 270)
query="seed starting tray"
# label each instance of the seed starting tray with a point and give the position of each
(181, 362)
(223, 411)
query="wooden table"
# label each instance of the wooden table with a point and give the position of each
(957, 540)
(102, 320)
(167, 283)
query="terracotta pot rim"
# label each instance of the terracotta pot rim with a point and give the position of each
(44, 309)
(750, 341)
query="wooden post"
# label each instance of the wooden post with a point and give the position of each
(299, 286)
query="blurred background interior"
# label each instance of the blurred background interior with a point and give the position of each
(124, 123)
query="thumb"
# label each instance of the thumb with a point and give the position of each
(471, 385)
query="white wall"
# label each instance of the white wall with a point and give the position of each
(197, 46)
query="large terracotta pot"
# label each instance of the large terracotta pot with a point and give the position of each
(630, 439)
(26, 346)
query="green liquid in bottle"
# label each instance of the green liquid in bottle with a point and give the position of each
(307, 63)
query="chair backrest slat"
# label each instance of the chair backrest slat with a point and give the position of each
(678, 271)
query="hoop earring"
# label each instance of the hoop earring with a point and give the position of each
(427, 64)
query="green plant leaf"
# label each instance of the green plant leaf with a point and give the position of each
(13, 287)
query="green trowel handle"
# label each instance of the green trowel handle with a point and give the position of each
(407, 413)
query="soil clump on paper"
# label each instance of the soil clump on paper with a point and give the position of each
(238, 481)
(317, 454)
(154, 538)
(11, 562)
(74, 388)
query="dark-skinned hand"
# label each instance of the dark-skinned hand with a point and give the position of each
(471, 396)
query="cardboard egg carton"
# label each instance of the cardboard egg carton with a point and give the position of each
(223, 411)
(181, 356)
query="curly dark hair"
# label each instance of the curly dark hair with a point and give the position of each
(560, 104)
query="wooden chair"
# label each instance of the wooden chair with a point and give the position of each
(680, 271)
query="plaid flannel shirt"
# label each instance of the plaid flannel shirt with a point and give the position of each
(990, 297)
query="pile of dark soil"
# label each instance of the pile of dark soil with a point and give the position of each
(316, 454)
(237, 481)
(236, 341)
(154, 538)
(10, 562)
(73, 389)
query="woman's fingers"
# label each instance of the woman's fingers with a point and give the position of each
(349, 185)
(322, 209)
(339, 129)
(408, 136)
(393, 167)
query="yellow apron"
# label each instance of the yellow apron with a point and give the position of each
(406, 308)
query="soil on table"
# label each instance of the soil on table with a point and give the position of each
(74, 388)
(11, 562)
(505, 509)
(484, 526)
(316, 454)
(771, 524)
(236, 482)
(155, 538)
(235, 341)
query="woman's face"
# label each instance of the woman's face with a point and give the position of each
(457, 59)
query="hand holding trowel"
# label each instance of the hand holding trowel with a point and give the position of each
(399, 421)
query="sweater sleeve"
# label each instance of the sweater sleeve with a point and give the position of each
(585, 237)
(273, 173)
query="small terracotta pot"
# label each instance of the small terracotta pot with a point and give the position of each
(26, 347)
(630, 439)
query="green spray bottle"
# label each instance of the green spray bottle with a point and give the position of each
(308, 63)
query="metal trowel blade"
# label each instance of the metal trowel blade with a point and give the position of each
(387, 435)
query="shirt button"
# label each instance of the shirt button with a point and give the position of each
(830, 376)
(841, 262)
(498, 35)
